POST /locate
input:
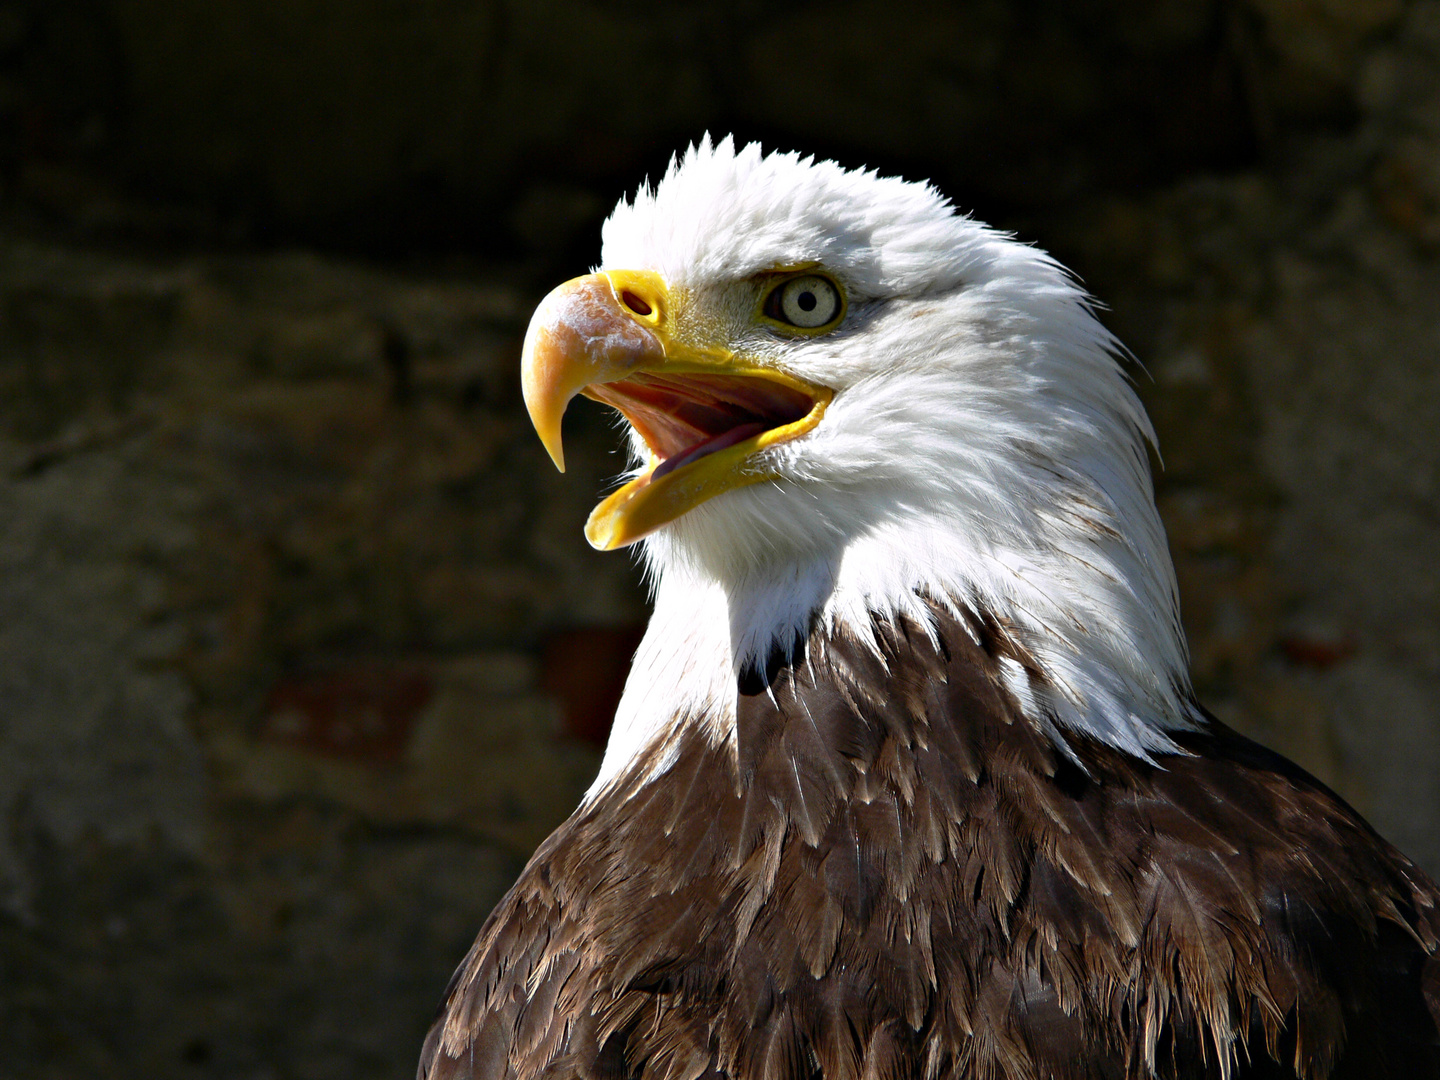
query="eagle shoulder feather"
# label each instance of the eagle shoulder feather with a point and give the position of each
(893, 872)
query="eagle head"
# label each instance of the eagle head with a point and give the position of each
(847, 400)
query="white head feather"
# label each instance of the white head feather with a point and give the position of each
(983, 445)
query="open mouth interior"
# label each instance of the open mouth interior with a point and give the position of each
(682, 418)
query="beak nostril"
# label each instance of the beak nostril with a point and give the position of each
(635, 303)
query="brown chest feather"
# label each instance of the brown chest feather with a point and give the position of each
(893, 874)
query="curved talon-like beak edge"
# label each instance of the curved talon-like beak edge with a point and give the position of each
(703, 411)
(579, 335)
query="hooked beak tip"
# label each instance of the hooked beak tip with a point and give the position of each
(580, 334)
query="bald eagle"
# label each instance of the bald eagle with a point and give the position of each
(908, 779)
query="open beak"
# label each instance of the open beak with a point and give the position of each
(704, 412)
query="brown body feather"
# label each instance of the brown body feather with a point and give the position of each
(893, 874)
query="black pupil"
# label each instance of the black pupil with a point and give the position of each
(806, 301)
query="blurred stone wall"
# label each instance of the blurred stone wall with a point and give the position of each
(298, 630)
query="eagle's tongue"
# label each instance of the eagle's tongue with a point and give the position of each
(709, 446)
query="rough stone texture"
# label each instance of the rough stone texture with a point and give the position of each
(278, 563)
(292, 605)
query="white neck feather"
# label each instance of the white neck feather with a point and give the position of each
(1112, 669)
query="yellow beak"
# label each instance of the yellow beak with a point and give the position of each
(610, 336)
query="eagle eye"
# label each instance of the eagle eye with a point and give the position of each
(806, 302)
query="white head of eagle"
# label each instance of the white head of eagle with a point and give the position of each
(847, 399)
